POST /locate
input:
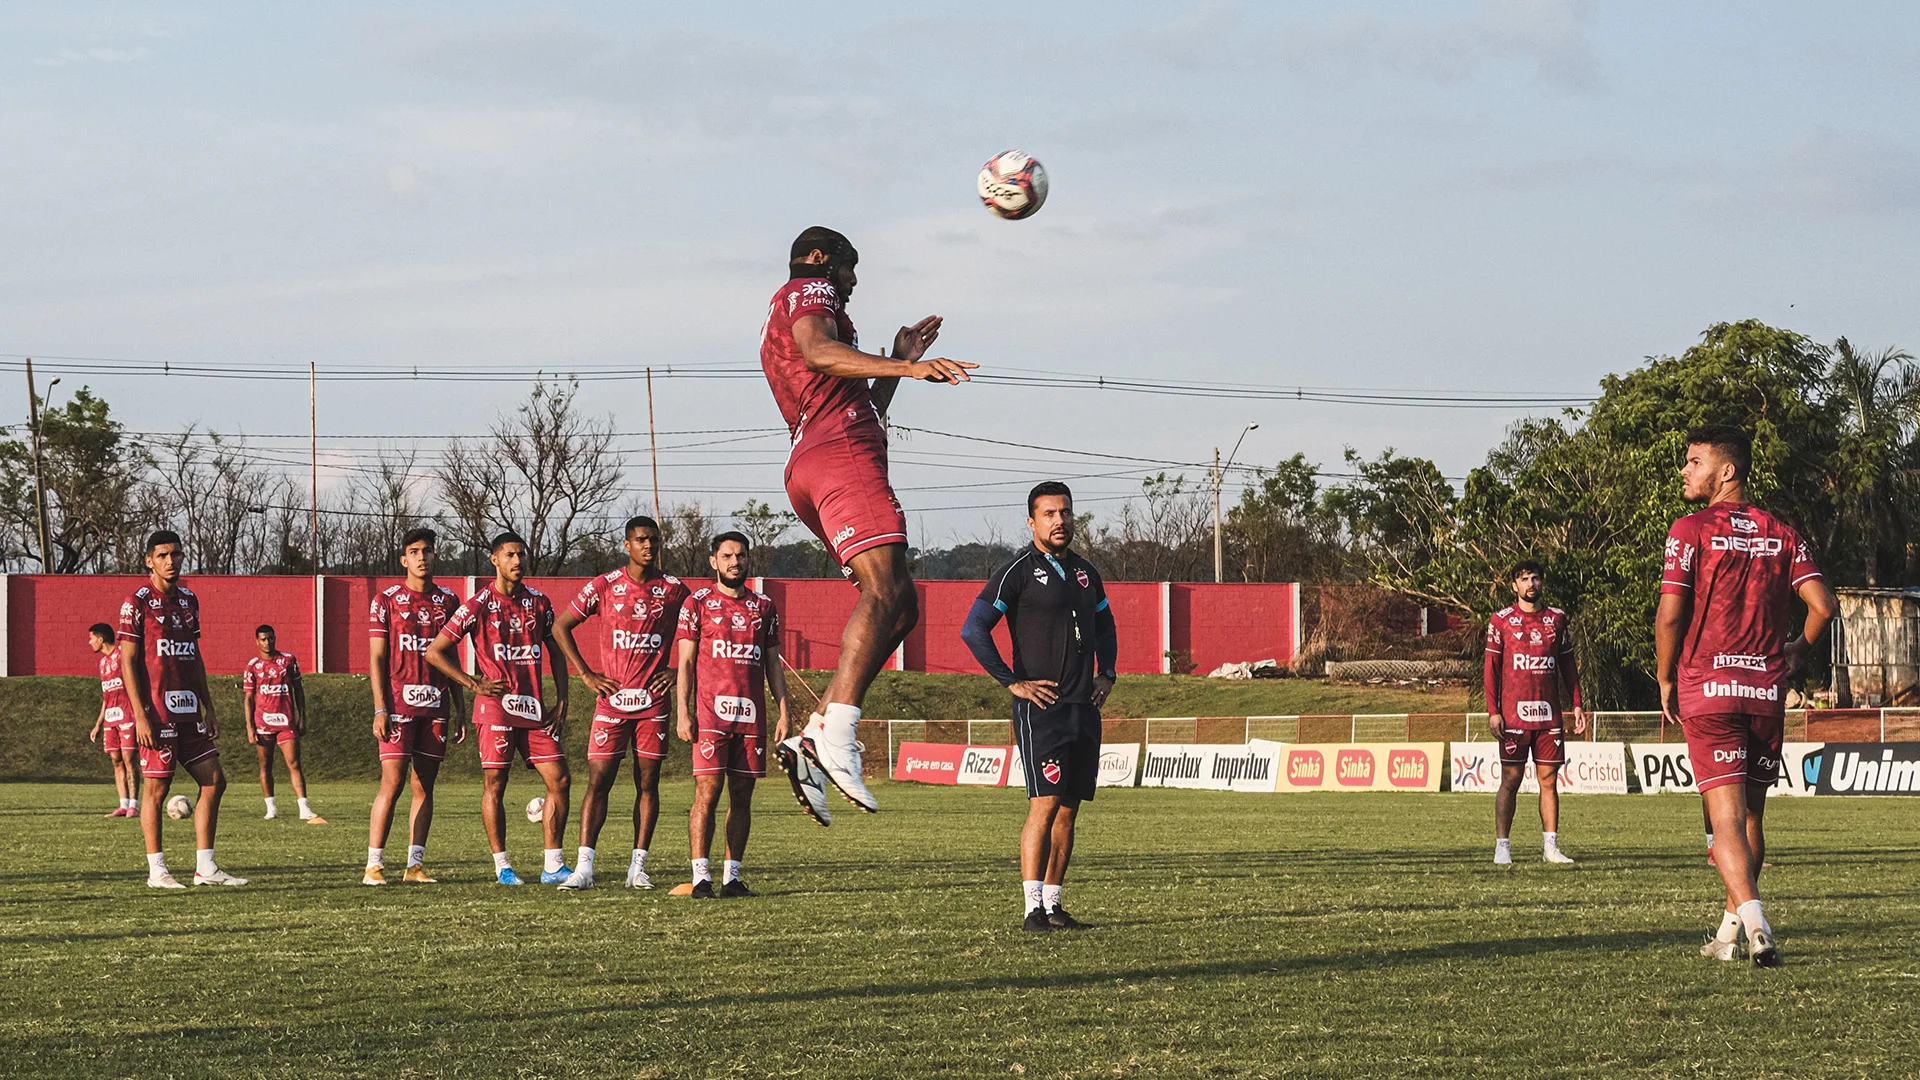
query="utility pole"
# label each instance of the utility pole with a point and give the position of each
(313, 462)
(39, 486)
(1218, 562)
(653, 447)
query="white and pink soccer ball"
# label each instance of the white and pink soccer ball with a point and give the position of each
(1013, 185)
(537, 809)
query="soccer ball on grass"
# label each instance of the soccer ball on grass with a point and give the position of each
(537, 809)
(179, 807)
(1012, 185)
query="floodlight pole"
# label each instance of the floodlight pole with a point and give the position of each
(39, 486)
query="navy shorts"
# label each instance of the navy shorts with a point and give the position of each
(1059, 749)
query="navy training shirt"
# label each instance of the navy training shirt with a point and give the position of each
(1053, 606)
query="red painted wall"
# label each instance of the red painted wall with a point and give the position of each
(1228, 624)
(48, 616)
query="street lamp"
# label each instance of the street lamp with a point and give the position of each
(1219, 477)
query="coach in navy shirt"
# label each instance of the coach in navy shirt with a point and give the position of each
(1064, 647)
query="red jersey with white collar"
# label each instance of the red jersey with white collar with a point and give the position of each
(637, 622)
(271, 681)
(730, 635)
(167, 626)
(509, 638)
(416, 690)
(817, 406)
(1524, 652)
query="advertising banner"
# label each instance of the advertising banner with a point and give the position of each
(1473, 766)
(1362, 767)
(929, 763)
(1209, 766)
(1119, 764)
(1869, 769)
(1592, 768)
(1665, 767)
(984, 766)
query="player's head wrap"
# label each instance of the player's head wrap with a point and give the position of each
(838, 249)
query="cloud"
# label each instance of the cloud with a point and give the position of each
(95, 55)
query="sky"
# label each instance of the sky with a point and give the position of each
(1495, 201)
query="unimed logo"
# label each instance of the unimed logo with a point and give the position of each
(1306, 768)
(1248, 766)
(1178, 765)
(1354, 768)
(1871, 769)
(1407, 768)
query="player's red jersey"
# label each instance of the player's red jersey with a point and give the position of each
(637, 623)
(730, 637)
(508, 633)
(271, 681)
(1741, 565)
(410, 621)
(113, 690)
(167, 624)
(816, 406)
(1524, 652)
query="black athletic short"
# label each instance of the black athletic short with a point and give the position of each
(1060, 749)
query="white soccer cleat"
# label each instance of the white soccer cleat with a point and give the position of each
(162, 880)
(578, 881)
(1553, 855)
(1502, 856)
(1761, 949)
(1715, 949)
(271, 815)
(809, 783)
(218, 877)
(838, 754)
(638, 879)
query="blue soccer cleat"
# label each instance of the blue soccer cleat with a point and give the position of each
(555, 877)
(506, 876)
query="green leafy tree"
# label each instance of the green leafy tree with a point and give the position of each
(92, 474)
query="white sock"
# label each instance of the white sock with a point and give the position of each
(156, 863)
(376, 858)
(842, 718)
(1729, 927)
(203, 863)
(1502, 844)
(639, 858)
(730, 871)
(305, 810)
(1050, 896)
(1553, 840)
(416, 854)
(554, 860)
(1751, 918)
(700, 871)
(126, 804)
(1031, 891)
(586, 859)
(271, 809)
(501, 862)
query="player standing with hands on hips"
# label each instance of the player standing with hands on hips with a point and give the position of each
(1529, 656)
(1723, 660)
(1064, 648)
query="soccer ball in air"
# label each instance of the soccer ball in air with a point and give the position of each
(179, 807)
(537, 809)
(1013, 185)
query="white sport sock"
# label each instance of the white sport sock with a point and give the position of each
(586, 859)
(501, 862)
(1050, 896)
(1502, 844)
(305, 809)
(841, 718)
(416, 854)
(1729, 927)
(1709, 841)
(156, 863)
(554, 860)
(639, 858)
(1552, 839)
(700, 871)
(729, 871)
(203, 862)
(376, 858)
(1751, 917)
(1031, 891)
(271, 808)
(126, 804)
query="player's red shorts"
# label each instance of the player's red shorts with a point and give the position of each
(614, 734)
(1733, 748)
(499, 744)
(1547, 746)
(115, 738)
(725, 750)
(269, 736)
(839, 488)
(412, 737)
(182, 744)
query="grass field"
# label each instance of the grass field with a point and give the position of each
(1237, 936)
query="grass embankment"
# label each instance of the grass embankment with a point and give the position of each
(44, 719)
(1236, 936)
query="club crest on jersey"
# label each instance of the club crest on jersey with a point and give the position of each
(1084, 580)
(739, 621)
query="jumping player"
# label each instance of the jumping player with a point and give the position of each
(276, 715)
(173, 717)
(413, 703)
(114, 727)
(1065, 644)
(511, 625)
(639, 607)
(1723, 661)
(1529, 657)
(727, 649)
(832, 396)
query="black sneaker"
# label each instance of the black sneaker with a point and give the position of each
(734, 889)
(1060, 920)
(702, 889)
(1037, 922)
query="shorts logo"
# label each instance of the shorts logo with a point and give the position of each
(601, 736)
(1727, 757)
(1051, 770)
(843, 535)
(706, 749)
(1085, 581)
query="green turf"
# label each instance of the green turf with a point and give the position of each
(44, 719)
(1238, 936)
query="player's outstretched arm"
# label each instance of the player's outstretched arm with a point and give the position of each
(683, 680)
(1669, 627)
(825, 353)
